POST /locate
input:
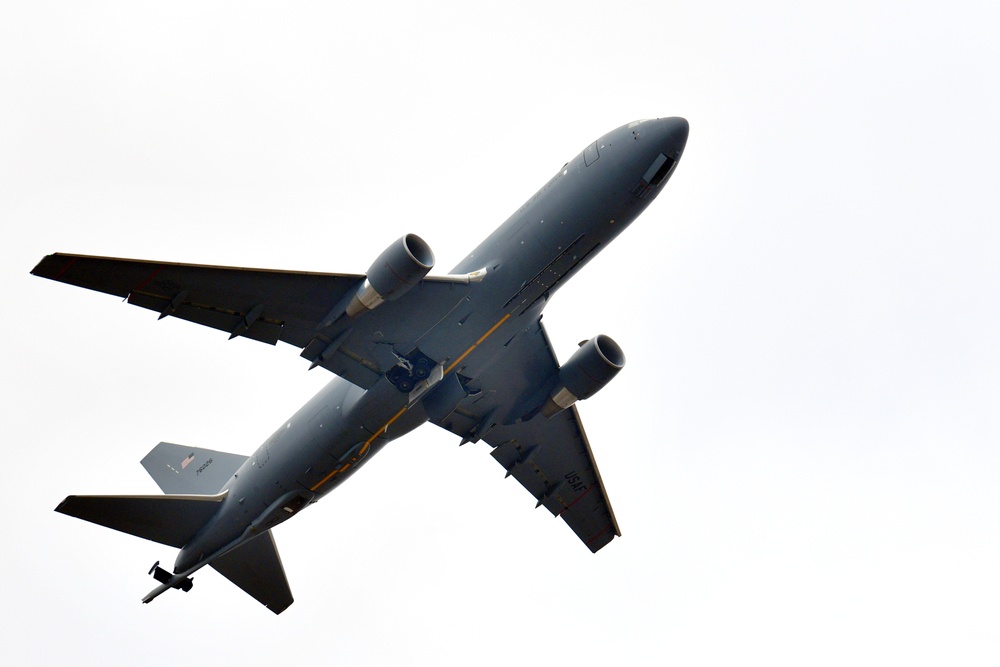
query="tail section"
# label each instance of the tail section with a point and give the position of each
(171, 520)
(256, 568)
(192, 478)
(179, 469)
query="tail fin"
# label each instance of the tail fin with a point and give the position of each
(170, 520)
(256, 568)
(180, 469)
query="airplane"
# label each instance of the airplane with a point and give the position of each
(465, 351)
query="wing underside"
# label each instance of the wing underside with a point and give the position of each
(550, 457)
(295, 307)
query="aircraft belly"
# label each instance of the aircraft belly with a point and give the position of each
(337, 432)
(533, 253)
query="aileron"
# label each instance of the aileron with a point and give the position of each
(552, 459)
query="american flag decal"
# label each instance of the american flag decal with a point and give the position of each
(185, 462)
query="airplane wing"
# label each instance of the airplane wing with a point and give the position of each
(550, 457)
(268, 306)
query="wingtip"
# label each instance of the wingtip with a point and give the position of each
(51, 266)
(61, 507)
(277, 610)
(37, 271)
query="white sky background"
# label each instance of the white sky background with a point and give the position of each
(802, 452)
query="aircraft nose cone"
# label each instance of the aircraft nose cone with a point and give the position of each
(675, 135)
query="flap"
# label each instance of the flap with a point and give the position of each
(550, 457)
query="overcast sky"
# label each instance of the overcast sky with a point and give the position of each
(802, 451)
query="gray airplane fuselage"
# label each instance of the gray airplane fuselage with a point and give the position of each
(591, 200)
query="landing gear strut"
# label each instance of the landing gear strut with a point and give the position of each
(410, 370)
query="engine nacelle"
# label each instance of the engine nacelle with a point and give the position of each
(587, 371)
(397, 270)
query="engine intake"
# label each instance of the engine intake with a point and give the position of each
(589, 369)
(397, 270)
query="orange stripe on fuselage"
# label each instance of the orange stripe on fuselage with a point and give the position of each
(385, 427)
(477, 343)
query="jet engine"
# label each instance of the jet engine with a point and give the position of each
(587, 371)
(400, 267)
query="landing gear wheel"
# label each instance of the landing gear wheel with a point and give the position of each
(422, 368)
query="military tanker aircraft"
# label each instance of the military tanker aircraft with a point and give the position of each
(465, 351)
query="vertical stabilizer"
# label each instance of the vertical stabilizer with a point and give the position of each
(180, 469)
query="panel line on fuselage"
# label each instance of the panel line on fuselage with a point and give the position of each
(361, 452)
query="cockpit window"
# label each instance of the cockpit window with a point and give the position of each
(658, 170)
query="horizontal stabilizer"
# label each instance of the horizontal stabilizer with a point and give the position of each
(179, 469)
(170, 520)
(256, 568)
